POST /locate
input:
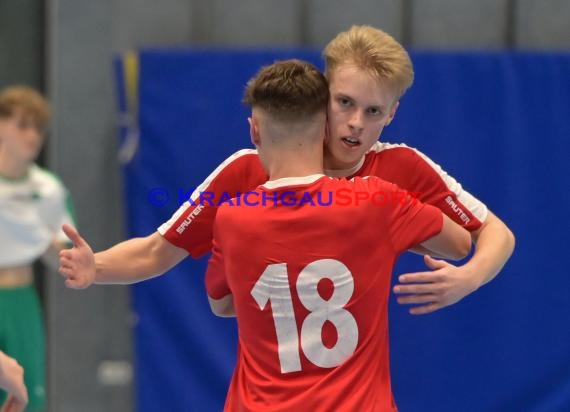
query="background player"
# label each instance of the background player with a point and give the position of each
(33, 206)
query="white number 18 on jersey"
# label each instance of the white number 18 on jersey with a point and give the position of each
(273, 285)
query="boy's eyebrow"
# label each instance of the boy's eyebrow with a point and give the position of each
(382, 107)
(31, 119)
(341, 94)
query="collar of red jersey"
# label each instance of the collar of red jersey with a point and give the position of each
(345, 172)
(292, 181)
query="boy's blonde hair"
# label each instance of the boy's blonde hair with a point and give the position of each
(27, 102)
(373, 50)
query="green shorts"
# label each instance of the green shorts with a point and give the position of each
(22, 337)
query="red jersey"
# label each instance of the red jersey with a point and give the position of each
(190, 227)
(309, 266)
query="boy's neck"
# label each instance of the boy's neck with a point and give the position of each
(295, 164)
(11, 168)
(334, 170)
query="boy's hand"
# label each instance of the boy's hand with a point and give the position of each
(444, 285)
(77, 264)
(12, 380)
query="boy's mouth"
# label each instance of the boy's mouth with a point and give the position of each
(351, 141)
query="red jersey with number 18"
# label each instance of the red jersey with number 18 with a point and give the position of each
(308, 261)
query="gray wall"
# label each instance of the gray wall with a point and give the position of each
(90, 345)
(90, 334)
(21, 42)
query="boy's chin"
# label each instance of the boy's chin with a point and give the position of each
(31, 157)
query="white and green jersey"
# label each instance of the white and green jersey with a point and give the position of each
(32, 211)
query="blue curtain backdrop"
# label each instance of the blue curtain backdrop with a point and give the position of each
(498, 122)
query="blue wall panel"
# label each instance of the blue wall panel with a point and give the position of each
(497, 122)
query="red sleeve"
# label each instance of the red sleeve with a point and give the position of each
(416, 223)
(441, 190)
(411, 222)
(190, 228)
(415, 172)
(216, 282)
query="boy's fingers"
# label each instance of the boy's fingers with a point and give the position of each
(73, 235)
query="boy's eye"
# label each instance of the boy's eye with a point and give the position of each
(28, 124)
(375, 111)
(344, 101)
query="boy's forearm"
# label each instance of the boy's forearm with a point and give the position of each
(115, 266)
(136, 260)
(494, 245)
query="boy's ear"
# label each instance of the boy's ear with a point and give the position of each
(254, 131)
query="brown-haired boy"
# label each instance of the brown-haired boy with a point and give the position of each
(33, 206)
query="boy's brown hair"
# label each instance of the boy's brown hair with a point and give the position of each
(27, 102)
(288, 90)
